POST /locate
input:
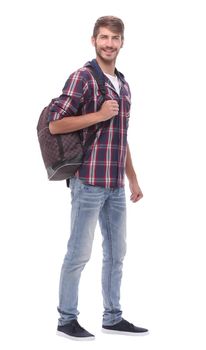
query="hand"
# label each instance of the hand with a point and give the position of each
(109, 109)
(136, 193)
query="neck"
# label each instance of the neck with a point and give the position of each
(106, 67)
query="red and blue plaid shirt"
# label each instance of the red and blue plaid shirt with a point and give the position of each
(104, 162)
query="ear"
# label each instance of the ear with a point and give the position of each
(122, 43)
(93, 41)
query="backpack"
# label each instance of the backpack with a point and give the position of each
(63, 153)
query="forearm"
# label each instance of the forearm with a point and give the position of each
(129, 169)
(70, 124)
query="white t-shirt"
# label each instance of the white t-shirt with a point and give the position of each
(114, 80)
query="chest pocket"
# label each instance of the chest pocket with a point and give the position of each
(126, 97)
(126, 105)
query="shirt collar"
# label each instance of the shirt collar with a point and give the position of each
(99, 70)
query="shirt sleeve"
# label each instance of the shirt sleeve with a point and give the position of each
(69, 102)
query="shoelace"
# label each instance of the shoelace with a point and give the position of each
(76, 326)
(129, 324)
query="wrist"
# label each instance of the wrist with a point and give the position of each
(99, 116)
(132, 177)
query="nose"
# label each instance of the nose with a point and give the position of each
(109, 42)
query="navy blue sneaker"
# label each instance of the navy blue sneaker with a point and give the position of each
(126, 328)
(74, 331)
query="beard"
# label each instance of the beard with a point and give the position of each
(107, 55)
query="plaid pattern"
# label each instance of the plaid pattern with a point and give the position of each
(104, 162)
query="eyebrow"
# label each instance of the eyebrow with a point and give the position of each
(113, 36)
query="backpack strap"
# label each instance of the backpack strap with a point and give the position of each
(100, 79)
(98, 75)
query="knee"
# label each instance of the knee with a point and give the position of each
(76, 258)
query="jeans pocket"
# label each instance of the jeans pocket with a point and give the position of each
(91, 189)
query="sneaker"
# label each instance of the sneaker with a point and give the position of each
(74, 331)
(126, 328)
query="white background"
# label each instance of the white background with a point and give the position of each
(163, 59)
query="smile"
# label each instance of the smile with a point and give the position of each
(109, 51)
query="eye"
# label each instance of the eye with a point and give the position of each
(116, 37)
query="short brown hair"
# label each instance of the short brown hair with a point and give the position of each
(115, 24)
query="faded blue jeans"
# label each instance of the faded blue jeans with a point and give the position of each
(90, 204)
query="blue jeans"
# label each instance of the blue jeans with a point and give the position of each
(90, 203)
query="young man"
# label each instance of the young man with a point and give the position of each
(97, 189)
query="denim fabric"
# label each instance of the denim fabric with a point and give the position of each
(90, 204)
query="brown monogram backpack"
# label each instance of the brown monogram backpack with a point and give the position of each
(63, 153)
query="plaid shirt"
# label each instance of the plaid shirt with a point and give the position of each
(104, 162)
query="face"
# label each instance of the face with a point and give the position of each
(107, 44)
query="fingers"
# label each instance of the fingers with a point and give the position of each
(114, 107)
(113, 103)
(109, 109)
(135, 197)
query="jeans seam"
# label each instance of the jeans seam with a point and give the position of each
(110, 274)
(75, 226)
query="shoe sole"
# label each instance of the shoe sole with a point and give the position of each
(64, 335)
(110, 331)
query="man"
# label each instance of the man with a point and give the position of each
(97, 189)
